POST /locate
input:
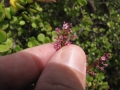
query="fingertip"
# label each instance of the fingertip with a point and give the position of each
(72, 56)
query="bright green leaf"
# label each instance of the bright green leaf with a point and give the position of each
(6, 45)
(34, 25)
(53, 38)
(38, 7)
(30, 44)
(54, 33)
(35, 42)
(3, 36)
(12, 10)
(82, 2)
(48, 27)
(41, 37)
(22, 22)
(7, 13)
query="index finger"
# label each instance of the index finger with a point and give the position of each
(22, 68)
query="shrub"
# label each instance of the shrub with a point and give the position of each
(96, 24)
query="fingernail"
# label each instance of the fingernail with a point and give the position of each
(72, 56)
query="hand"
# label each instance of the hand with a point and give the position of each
(64, 69)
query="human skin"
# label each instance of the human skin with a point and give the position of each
(64, 69)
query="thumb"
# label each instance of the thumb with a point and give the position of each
(66, 70)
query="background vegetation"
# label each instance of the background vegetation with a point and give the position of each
(96, 23)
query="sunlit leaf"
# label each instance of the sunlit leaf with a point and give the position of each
(30, 44)
(7, 13)
(41, 37)
(22, 22)
(82, 2)
(3, 36)
(34, 25)
(6, 45)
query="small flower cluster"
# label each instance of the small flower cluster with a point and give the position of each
(64, 36)
(101, 62)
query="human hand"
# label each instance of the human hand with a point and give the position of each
(64, 69)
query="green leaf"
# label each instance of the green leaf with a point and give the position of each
(22, 2)
(7, 13)
(25, 17)
(22, 22)
(101, 76)
(53, 38)
(4, 25)
(38, 7)
(30, 44)
(3, 48)
(9, 43)
(12, 10)
(2, 15)
(17, 48)
(41, 37)
(13, 21)
(48, 27)
(6, 45)
(3, 36)
(34, 25)
(49, 32)
(19, 33)
(82, 2)
(32, 10)
(35, 42)
(54, 33)
(47, 39)
(29, 1)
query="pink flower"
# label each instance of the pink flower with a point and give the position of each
(105, 65)
(103, 58)
(65, 26)
(74, 37)
(101, 68)
(67, 42)
(57, 30)
(64, 36)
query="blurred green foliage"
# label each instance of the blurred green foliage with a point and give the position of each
(96, 23)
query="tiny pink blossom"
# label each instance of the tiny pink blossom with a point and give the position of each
(65, 26)
(55, 37)
(57, 30)
(65, 36)
(103, 58)
(74, 37)
(67, 43)
(101, 68)
(105, 65)
(61, 37)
